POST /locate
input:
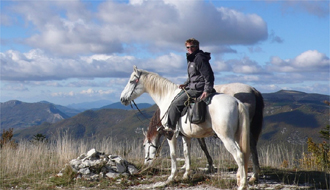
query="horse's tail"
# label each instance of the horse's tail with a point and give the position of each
(244, 136)
(257, 119)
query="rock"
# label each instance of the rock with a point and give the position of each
(95, 165)
(132, 169)
(91, 153)
(84, 171)
(75, 163)
(112, 175)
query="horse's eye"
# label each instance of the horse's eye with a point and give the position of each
(132, 81)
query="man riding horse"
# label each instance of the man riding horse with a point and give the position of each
(200, 83)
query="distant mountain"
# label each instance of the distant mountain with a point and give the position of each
(118, 105)
(289, 116)
(95, 124)
(16, 114)
(89, 105)
(68, 111)
(293, 116)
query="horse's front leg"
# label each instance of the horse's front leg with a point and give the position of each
(186, 151)
(172, 145)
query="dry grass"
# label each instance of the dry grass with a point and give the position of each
(34, 165)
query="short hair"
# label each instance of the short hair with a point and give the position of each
(192, 41)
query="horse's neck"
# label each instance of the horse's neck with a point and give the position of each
(161, 91)
(153, 135)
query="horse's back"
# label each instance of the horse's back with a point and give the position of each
(242, 92)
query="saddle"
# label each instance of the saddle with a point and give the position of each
(196, 109)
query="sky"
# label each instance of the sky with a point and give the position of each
(73, 51)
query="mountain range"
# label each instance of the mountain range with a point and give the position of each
(289, 116)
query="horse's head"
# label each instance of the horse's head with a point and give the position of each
(151, 141)
(134, 87)
(150, 150)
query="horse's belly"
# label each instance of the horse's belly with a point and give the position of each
(196, 131)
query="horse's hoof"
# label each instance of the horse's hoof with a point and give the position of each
(185, 176)
(253, 180)
(170, 180)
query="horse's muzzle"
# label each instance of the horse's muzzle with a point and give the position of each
(124, 101)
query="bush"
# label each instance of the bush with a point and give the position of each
(6, 139)
(319, 154)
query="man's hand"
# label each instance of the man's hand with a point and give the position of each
(204, 95)
(181, 86)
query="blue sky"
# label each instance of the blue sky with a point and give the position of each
(80, 51)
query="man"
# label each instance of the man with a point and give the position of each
(200, 83)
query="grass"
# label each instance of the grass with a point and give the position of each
(34, 165)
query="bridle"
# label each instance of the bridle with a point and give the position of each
(135, 82)
(158, 149)
(147, 158)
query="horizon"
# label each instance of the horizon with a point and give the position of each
(138, 102)
(66, 52)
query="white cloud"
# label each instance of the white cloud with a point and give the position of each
(91, 91)
(118, 25)
(308, 61)
(245, 66)
(38, 66)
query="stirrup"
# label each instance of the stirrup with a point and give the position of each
(161, 128)
(169, 134)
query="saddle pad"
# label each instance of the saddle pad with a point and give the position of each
(207, 100)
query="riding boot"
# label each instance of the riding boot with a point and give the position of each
(167, 131)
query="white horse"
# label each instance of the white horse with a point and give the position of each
(249, 96)
(226, 116)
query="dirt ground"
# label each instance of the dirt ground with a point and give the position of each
(265, 182)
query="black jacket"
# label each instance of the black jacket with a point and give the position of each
(200, 73)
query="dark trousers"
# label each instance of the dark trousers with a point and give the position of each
(174, 112)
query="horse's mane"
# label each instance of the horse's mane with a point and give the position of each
(157, 84)
(153, 124)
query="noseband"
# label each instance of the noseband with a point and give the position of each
(148, 155)
(135, 82)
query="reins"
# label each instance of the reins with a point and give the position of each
(158, 150)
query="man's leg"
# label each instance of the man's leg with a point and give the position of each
(174, 112)
(175, 109)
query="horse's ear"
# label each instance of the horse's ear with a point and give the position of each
(135, 68)
(144, 132)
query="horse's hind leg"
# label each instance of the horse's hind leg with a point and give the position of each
(234, 149)
(186, 151)
(255, 160)
(202, 143)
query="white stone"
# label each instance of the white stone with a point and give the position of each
(75, 163)
(96, 162)
(112, 175)
(91, 153)
(132, 169)
(85, 164)
(84, 171)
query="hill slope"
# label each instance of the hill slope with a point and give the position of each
(293, 116)
(289, 116)
(16, 114)
(95, 124)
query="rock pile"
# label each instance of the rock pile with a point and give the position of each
(95, 165)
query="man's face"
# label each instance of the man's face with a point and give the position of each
(191, 48)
